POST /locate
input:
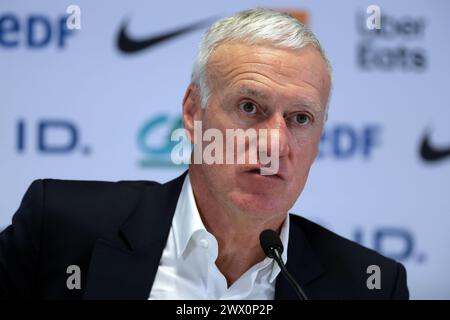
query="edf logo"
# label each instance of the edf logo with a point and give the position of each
(343, 141)
(35, 31)
(49, 137)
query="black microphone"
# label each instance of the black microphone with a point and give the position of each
(273, 248)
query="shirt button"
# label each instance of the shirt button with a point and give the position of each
(204, 243)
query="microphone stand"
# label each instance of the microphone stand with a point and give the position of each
(277, 257)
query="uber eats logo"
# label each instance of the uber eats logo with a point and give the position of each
(390, 43)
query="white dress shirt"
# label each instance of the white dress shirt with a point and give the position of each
(187, 268)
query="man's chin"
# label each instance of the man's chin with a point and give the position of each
(259, 204)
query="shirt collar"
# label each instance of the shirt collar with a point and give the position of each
(187, 221)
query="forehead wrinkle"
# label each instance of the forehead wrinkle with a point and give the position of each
(224, 68)
(307, 74)
(244, 76)
(216, 67)
(228, 54)
(315, 85)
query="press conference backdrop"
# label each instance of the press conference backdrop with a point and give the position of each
(91, 104)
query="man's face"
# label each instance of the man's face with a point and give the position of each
(262, 87)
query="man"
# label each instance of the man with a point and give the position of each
(197, 237)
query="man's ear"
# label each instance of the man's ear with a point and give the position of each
(192, 110)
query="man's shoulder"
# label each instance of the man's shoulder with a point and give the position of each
(93, 185)
(334, 248)
(85, 201)
(323, 239)
(90, 189)
(348, 264)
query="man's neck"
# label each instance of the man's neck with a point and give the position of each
(237, 234)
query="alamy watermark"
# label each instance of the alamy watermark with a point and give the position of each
(74, 19)
(374, 19)
(239, 146)
(374, 280)
(74, 279)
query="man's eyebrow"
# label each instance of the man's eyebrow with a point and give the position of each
(309, 104)
(253, 92)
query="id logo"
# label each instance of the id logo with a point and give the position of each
(49, 137)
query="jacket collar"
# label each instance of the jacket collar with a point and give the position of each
(303, 263)
(142, 229)
(126, 269)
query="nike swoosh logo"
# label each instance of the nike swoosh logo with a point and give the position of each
(430, 153)
(127, 44)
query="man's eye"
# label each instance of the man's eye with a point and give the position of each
(301, 119)
(248, 107)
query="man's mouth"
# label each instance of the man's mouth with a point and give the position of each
(264, 172)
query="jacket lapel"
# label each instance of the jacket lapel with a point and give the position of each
(127, 268)
(302, 263)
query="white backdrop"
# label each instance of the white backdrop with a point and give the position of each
(75, 106)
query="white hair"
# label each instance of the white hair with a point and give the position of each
(252, 26)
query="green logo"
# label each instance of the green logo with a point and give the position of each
(154, 141)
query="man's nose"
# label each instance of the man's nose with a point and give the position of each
(278, 135)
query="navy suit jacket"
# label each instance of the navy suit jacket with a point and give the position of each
(116, 233)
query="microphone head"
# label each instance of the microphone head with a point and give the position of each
(270, 241)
